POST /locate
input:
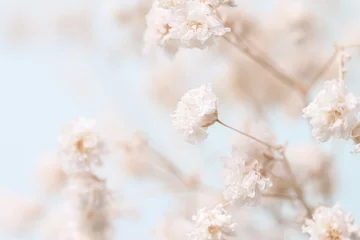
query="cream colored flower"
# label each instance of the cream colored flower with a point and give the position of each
(196, 111)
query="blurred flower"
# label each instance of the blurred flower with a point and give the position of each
(244, 180)
(158, 30)
(136, 155)
(333, 113)
(50, 175)
(213, 223)
(170, 3)
(331, 223)
(196, 111)
(172, 227)
(18, 213)
(87, 192)
(80, 144)
(313, 167)
(197, 26)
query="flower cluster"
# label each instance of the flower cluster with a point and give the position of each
(244, 180)
(80, 144)
(88, 198)
(213, 224)
(331, 223)
(333, 113)
(187, 23)
(196, 111)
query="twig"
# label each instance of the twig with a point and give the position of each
(246, 49)
(326, 66)
(247, 135)
(294, 183)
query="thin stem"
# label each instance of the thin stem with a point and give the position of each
(247, 135)
(246, 49)
(326, 66)
(279, 195)
(294, 184)
(341, 62)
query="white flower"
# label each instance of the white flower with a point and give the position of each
(217, 3)
(244, 180)
(87, 192)
(195, 112)
(158, 29)
(331, 224)
(196, 26)
(80, 144)
(212, 224)
(333, 113)
(170, 3)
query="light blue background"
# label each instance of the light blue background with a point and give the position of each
(47, 80)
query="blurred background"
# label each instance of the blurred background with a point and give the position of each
(60, 60)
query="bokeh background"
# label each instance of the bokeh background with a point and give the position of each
(63, 59)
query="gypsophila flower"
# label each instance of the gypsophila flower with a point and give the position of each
(244, 180)
(333, 113)
(157, 33)
(87, 192)
(196, 111)
(216, 3)
(331, 224)
(170, 3)
(214, 224)
(197, 25)
(80, 144)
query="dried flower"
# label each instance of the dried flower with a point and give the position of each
(80, 144)
(170, 3)
(196, 26)
(213, 224)
(87, 192)
(196, 111)
(50, 175)
(244, 180)
(157, 33)
(333, 113)
(331, 224)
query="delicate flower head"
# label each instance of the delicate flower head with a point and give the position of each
(170, 3)
(244, 180)
(217, 3)
(331, 224)
(80, 144)
(195, 112)
(333, 113)
(196, 26)
(158, 29)
(214, 224)
(88, 192)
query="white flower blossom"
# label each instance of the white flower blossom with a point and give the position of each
(217, 3)
(333, 113)
(196, 26)
(170, 3)
(244, 180)
(195, 112)
(80, 144)
(214, 224)
(87, 192)
(158, 29)
(331, 224)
